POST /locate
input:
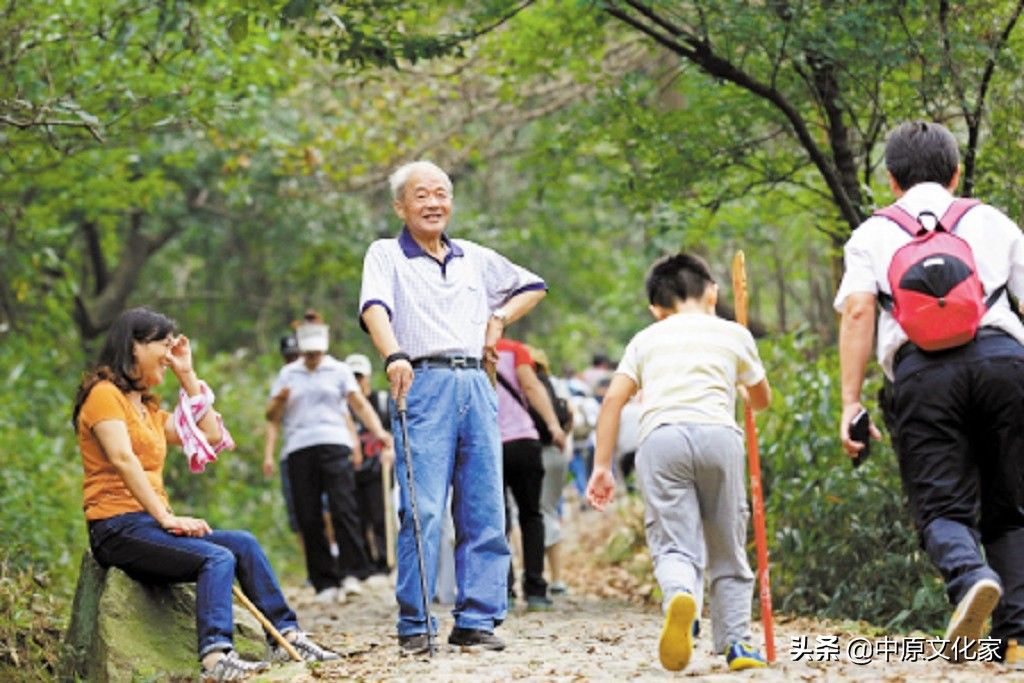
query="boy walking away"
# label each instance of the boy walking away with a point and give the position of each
(690, 461)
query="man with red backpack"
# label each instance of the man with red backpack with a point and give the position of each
(951, 349)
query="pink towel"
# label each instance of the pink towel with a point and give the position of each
(187, 415)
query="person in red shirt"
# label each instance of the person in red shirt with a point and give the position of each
(519, 390)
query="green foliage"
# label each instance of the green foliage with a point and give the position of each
(31, 624)
(842, 543)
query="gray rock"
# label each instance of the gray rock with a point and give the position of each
(123, 630)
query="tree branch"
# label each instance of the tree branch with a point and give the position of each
(701, 54)
(95, 252)
(974, 122)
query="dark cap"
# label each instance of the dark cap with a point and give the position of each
(289, 345)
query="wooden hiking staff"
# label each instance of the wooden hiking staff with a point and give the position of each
(739, 290)
(389, 515)
(265, 623)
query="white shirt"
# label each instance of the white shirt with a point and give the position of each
(317, 404)
(440, 308)
(688, 366)
(996, 241)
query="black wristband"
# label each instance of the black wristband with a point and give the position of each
(397, 355)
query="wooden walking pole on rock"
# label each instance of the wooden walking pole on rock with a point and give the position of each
(739, 290)
(265, 623)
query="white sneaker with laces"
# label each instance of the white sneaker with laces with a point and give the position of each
(326, 596)
(231, 667)
(967, 624)
(307, 649)
(351, 586)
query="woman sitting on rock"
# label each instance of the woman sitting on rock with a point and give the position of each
(123, 436)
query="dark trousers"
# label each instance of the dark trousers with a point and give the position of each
(312, 472)
(370, 502)
(524, 476)
(957, 418)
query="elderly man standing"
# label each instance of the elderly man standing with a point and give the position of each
(435, 308)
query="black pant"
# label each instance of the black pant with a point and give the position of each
(958, 423)
(524, 475)
(370, 502)
(312, 472)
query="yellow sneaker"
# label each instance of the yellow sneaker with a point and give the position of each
(1014, 657)
(676, 644)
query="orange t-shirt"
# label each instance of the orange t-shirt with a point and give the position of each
(106, 494)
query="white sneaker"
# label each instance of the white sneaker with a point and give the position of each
(377, 582)
(351, 586)
(968, 621)
(326, 596)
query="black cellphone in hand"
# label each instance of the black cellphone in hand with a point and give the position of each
(859, 431)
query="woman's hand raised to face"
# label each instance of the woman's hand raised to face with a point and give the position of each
(180, 356)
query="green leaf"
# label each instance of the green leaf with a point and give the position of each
(238, 27)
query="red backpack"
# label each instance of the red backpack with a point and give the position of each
(937, 296)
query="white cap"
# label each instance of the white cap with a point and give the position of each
(360, 364)
(311, 337)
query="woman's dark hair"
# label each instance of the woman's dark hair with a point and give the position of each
(117, 357)
(921, 152)
(677, 278)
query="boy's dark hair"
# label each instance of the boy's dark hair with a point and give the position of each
(677, 277)
(921, 152)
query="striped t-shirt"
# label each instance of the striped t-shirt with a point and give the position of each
(688, 366)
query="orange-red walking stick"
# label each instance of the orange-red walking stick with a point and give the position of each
(739, 290)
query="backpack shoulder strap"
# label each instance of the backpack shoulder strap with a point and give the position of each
(520, 399)
(900, 217)
(956, 211)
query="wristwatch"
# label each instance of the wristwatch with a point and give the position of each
(501, 314)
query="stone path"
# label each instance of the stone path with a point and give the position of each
(588, 638)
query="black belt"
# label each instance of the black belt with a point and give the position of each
(910, 347)
(453, 362)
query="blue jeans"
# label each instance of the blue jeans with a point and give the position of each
(579, 467)
(453, 433)
(137, 544)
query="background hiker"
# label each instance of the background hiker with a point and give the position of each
(691, 463)
(369, 484)
(955, 414)
(289, 347)
(556, 467)
(313, 395)
(519, 389)
(123, 436)
(435, 308)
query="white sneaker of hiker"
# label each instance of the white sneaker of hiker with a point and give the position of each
(967, 624)
(351, 586)
(327, 596)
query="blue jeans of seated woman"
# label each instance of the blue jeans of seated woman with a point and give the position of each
(135, 543)
(453, 432)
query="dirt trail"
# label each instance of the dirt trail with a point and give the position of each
(587, 638)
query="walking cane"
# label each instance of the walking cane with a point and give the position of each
(417, 534)
(265, 623)
(389, 515)
(739, 290)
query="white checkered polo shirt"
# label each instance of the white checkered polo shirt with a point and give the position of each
(440, 308)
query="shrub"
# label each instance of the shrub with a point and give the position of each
(842, 543)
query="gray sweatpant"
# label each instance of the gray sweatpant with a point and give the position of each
(693, 478)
